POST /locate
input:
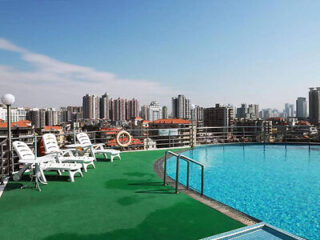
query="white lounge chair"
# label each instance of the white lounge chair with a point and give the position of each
(46, 163)
(85, 142)
(64, 155)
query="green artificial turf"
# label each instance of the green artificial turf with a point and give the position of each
(120, 200)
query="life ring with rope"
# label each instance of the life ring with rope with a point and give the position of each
(121, 136)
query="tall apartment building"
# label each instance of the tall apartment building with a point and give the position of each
(70, 114)
(105, 107)
(144, 112)
(52, 117)
(250, 111)
(301, 108)
(118, 109)
(314, 105)
(181, 107)
(37, 117)
(218, 116)
(165, 112)
(197, 113)
(289, 110)
(132, 108)
(91, 107)
(155, 111)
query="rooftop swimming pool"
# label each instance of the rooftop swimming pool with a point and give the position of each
(278, 184)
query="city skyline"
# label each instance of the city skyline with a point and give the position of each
(213, 52)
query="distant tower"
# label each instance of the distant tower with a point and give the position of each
(155, 111)
(91, 107)
(301, 110)
(181, 107)
(314, 105)
(164, 112)
(145, 112)
(105, 107)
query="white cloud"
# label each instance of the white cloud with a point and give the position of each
(56, 83)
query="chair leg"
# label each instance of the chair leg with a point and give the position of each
(84, 167)
(43, 177)
(71, 174)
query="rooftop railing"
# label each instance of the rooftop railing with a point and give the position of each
(150, 139)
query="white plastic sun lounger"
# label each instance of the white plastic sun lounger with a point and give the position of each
(64, 155)
(85, 141)
(46, 163)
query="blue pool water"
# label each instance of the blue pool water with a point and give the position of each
(279, 186)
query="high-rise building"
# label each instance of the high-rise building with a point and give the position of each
(37, 117)
(314, 105)
(165, 112)
(145, 112)
(118, 109)
(91, 106)
(289, 110)
(218, 116)
(132, 109)
(301, 108)
(155, 111)
(42, 118)
(181, 107)
(250, 111)
(104, 107)
(52, 117)
(197, 113)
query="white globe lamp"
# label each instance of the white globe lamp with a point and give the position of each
(8, 99)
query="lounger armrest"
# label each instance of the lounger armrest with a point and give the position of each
(69, 151)
(98, 146)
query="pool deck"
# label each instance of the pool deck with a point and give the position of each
(120, 200)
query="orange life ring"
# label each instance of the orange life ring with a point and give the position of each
(120, 137)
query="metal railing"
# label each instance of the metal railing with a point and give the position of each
(160, 138)
(187, 160)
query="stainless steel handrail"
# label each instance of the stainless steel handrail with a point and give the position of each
(188, 160)
(165, 165)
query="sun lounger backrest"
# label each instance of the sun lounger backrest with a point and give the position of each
(50, 143)
(83, 139)
(23, 150)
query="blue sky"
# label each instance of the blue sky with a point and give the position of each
(54, 52)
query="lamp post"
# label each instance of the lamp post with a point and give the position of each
(192, 120)
(8, 99)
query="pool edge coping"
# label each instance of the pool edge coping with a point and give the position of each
(210, 202)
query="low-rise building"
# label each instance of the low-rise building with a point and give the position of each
(22, 130)
(170, 132)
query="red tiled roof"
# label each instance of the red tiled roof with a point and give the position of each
(52, 128)
(145, 121)
(110, 131)
(303, 123)
(22, 123)
(172, 121)
(275, 119)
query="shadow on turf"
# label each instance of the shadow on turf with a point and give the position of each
(179, 221)
(157, 191)
(146, 184)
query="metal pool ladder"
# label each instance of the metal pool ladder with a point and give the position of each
(188, 160)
